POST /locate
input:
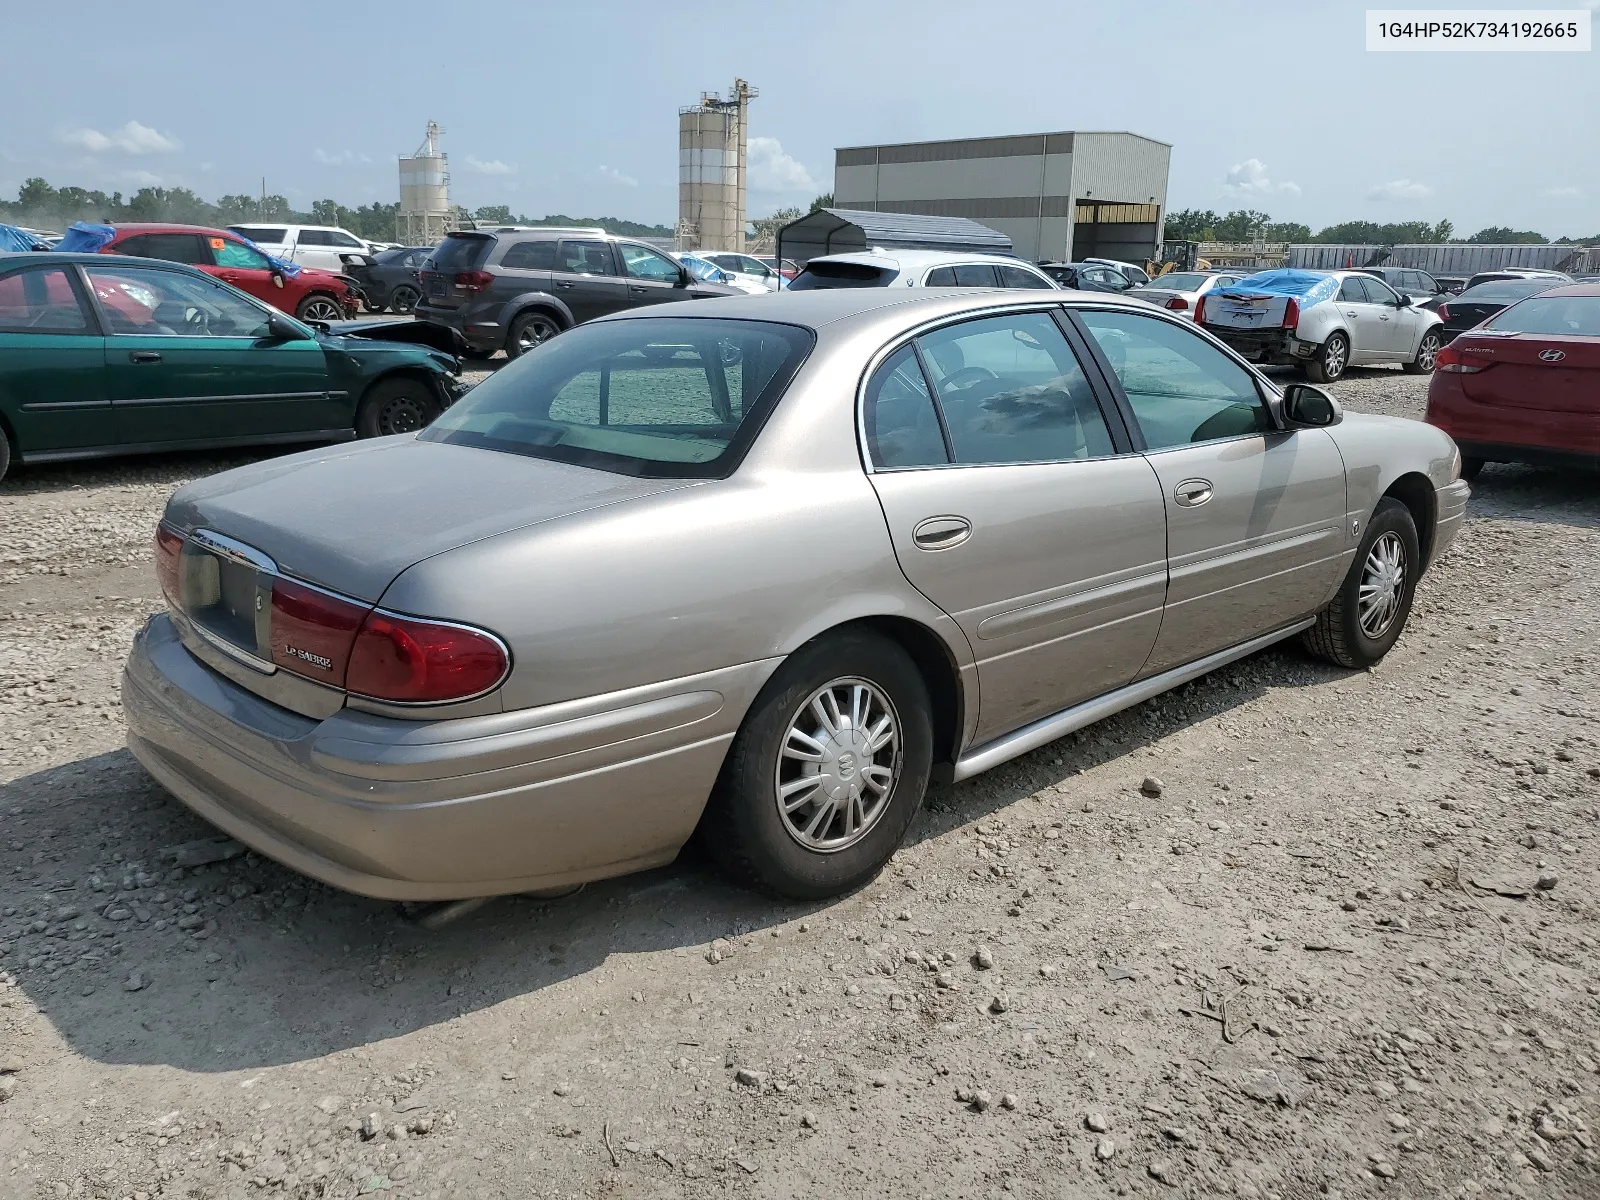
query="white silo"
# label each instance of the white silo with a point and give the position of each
(712, 152)
(425, 214)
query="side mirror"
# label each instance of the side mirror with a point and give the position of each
(277, 279)
(283, 329)
(1311, 407)
(684, 279)
(1404, 301)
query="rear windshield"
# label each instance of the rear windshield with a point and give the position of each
(271, 235)
(671, 397)
(460, 252)
(1178, 283)
(1555, 316)
(1504, 291)
(819, 275)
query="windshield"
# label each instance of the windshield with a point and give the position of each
(1178, 282)
(1554, 316)
(819, 275)
(1503, 291)
(673, 397)
(460, 252)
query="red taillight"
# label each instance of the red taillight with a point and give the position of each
(1444, 312)
(1291, 313)
(169, 549)
(1177, 304)
(474, 281)
(1200, 311)
(1451, 362)
(312, 631)
(412, 661)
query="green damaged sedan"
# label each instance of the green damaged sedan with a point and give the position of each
(105, 355)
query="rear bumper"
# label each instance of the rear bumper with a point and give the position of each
(1264, 345)
(479, 329)
(1541, 437)
(436, 810)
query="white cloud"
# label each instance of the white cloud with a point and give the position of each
(1249, 181)
(141, 178)
(612, 175)
(1564, 191)
(1399, 189)
(339, 158)
(132, 138)
(772, 170)
(491, 167)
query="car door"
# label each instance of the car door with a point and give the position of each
(314, 248)
(525, 266)
(586, 278)
(1368, 332)
(52, 363)
(246, 268)
(652, 277)
(1399, 326)
(1014, 503)
(1255, 515)
(186, 360)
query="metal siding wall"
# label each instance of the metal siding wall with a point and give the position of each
(959, 179)
(855, 186)
(1444, 259)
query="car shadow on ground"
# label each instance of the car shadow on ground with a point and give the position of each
(293, 971)
(1515, 492)
(169, 469)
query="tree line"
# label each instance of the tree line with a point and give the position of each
(39, 205)
(1244, 225)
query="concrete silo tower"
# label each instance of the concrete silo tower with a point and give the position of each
(713, 137)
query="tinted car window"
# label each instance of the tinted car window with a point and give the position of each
(226, 252)
(40, 301)
(337, 238)
(975, 275)
(902, 426)
(1179, 281)
(1012, 391)
(1427, 283)
(641, 262)
(1182, 389)
(1379, 292)
(841, 275)
(1502, 291)
(530, 256)
(1017, 277)
(941, 277)
(270, 234)
(460, 252)
(1351, 291)
(585, 258)
(1557, 316)
(314, 237)
(172, 247)
(137, 300)
(657, 396)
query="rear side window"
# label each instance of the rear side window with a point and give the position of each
(314, 237)
(270, 235)
(819, 275)
(173, 247)
(40, 301)
(529, 256)
(460, 252)
(1551, 316)
(901, 423)
(1017, 277)
(975, 275)
(941, 277)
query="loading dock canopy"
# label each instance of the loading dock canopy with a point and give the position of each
(852, 230)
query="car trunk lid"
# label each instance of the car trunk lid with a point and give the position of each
(1534, 371)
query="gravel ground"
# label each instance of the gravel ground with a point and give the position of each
(1340, 942)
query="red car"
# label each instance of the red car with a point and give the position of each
(1524, 386)
(311, 295)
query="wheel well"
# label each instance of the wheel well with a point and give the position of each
(1416, 492)
(938, 671)
(548, 310)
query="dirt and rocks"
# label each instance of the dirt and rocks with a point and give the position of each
(1287, 932)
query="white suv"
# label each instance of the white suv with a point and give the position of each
(322, 246)
(919, 268)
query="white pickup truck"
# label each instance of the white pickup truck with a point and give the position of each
(322, 246)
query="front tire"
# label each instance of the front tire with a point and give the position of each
(1370, 611)
(318, 307)
(1427, 355)
(826, 772)
(1331, 362)
(5, 454)
(395, 406)
(529, 330)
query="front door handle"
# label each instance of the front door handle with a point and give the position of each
(565, 286)
(1192, 493)
(638, 287)
(144, 356)
(941, 533)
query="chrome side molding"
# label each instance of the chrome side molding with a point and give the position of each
(1047, 729)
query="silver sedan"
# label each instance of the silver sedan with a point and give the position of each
(755, 574)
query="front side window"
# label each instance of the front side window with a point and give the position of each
(1020, 277)
(138, 300)
(1012, 391)
(1182, 388)
(338, 237)
(585, 258)
(641, 262)
(236, 255)
(901, 423)
(1379, 292)
(661, 396)
(1351, 291)
(40, 301)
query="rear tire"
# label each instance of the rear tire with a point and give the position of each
(395, 406)
(1427, 355)
(1369, 613)
(1331, 361)
(771, 828)
(404, 298)
(529, 330)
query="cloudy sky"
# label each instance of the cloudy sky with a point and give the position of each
(572, 109)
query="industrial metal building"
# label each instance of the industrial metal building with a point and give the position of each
(1057, 196)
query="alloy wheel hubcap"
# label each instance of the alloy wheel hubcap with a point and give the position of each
(532, 335)
(838, 765)
(1333, 361)
(322, 310)
(1383, 580)
(1429, 351)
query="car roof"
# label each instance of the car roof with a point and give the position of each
(913, 259)
(165, 227)
(1572, 289)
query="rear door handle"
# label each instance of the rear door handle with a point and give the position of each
(941, 533)
(144, 356)
(566, 285)
(1192, 493)
(638, 287)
